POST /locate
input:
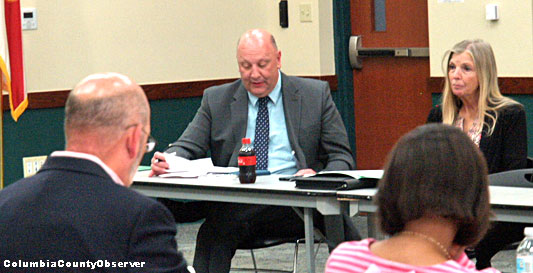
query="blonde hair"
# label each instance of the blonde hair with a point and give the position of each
(490, 98)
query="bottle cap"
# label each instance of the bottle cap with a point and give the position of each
(528, 231)
(246, 141)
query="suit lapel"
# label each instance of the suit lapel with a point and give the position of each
(484, 143)
(292, 107)
(239, 115)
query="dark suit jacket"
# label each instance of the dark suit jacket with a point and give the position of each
(71, 210)
(316, 132)
(506, 148)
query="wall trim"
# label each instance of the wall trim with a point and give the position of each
(158, 91)
(508, 85)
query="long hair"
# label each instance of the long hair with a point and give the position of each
(490, 98)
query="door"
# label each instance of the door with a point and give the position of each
(390, 93)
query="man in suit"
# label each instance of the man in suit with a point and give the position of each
(76, 213)
(305, 135)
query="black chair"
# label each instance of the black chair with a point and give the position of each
(258, 243)
(513, 178)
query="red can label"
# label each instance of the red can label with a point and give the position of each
(246, 160)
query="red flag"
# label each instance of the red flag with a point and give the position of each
(13, 79)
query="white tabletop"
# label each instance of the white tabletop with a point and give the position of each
(499, 196)
(511, 196)
(514, 204)
(267, 190)
(228, 181)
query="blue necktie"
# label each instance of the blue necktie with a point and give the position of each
(261, 134)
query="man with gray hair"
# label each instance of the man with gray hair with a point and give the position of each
(77, 213)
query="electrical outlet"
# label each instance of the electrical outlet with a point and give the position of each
(305, 12)
(32, 164)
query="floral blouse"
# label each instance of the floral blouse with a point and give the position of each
(474, 132)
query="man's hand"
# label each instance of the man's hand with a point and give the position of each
(159, 165)
(304, 172)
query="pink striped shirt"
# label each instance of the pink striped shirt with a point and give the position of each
(355, 256)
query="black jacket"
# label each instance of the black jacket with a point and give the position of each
(506, 148)
(72, 211)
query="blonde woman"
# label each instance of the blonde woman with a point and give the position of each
(471, 100)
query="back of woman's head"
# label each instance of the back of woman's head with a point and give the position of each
(435, 170)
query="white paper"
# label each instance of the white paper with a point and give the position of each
(358, 174)
(223, 170)
(185, 168)
(180, 164)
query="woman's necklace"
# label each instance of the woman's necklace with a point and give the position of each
(431, 240)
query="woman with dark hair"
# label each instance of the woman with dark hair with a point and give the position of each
(433, 201)
(472, 101)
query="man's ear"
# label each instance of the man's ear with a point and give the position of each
(133, 138)
(279, 59)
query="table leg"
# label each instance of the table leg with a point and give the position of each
(373, 229)
(371, 226)
(309, 239)
(334, 229)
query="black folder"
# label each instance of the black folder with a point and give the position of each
(334, 181)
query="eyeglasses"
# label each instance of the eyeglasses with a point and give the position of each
(150, 142)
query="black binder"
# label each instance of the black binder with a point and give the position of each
(334, 181)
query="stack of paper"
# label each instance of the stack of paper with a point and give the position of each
(358, 174)
(185, 168)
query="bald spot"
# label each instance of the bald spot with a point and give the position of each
(256, 38)
(102, 106)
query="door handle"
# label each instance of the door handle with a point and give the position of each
(355, 52)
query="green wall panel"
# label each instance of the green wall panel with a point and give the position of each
(343, 97)
(169, 120)
(40, 132)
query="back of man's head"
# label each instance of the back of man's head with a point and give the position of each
(101, 106)
(107, 115)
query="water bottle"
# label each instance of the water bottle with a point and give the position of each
(524, 252)
(247, 162)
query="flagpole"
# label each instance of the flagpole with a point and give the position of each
(12, 67)
(1, 137)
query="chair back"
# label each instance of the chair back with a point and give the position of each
(529, 162)
(514, 178)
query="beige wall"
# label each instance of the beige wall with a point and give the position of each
(166, 40)
(511, 37)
